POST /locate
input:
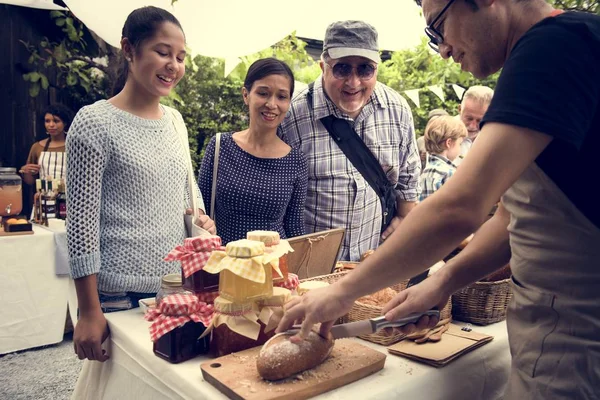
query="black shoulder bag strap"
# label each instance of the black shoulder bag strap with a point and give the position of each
(363, 160)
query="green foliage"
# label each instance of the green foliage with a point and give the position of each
(84, 79)
(418, 68)
(291, 51)
(592, 6)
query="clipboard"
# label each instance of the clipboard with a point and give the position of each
(315, 253)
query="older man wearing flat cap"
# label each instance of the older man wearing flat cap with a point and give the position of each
(338, 194)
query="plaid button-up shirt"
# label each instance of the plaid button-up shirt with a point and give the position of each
(338, 196)
(437, 171)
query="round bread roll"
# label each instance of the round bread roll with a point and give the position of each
(279, 358)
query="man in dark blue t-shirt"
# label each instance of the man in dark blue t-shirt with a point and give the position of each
(536, 150)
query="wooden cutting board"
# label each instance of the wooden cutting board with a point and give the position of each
(236, 376)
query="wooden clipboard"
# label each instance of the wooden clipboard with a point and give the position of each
(316, 253)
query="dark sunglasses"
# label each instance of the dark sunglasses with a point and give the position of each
(344, 71)
(435, 37)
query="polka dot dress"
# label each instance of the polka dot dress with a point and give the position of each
(254, 193)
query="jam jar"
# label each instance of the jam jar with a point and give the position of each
(235, 327)
(237, 288)
(201, 281)
(270, 312)
(182, 343)
(272, 242)
(170, 284)
(11, 200)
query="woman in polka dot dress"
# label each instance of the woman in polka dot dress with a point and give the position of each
(261, 181)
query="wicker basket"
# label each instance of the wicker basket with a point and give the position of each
(362, 311)
(482, 303)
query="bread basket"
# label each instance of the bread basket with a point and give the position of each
(484, 302)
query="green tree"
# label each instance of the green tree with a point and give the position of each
(418, 68)
(78, 61)
(592, 6)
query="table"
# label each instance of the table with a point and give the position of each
(33, 298)
(134, 372)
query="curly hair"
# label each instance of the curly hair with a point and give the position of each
(61, 111)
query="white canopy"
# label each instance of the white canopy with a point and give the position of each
(232, 28)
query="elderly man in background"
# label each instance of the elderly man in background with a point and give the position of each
(471, 110)
(338, 195)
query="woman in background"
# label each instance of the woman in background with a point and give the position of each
(47, 157)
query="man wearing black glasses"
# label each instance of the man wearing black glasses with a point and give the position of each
(538, 151)
(338, 194)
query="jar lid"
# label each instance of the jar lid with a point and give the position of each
(269, 238)
(8, 170)
(245, 248)
(225, 306)
(172, 280)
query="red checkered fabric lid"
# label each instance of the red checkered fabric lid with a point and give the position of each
(194, 253)
(176, 310)
(208, 297)
(290, 283)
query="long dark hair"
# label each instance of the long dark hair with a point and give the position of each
(265, 67)
(140, 25)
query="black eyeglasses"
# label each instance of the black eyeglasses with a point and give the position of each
(435, 36)
(344, 71)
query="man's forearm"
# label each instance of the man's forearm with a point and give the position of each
(428, 234)
(488, 251)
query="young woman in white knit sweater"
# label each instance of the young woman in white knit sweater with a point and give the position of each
(127, 184)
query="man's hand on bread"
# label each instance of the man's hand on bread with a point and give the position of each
(323, 306)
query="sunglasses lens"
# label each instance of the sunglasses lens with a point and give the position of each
(365, 71)
(342, 71)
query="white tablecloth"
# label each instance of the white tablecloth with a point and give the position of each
(134, 372)
(33, 300)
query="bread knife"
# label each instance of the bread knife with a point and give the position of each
(364, 327)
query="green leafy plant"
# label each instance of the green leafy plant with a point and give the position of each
(79, 68)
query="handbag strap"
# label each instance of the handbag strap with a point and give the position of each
(355, 149)
(213, 193)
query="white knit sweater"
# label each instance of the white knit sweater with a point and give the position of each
(127, 191)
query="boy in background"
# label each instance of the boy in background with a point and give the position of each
(443, 137)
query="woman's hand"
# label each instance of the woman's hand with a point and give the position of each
(90, 332)
(204, 221)
(32, 169)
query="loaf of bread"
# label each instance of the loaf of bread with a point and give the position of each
(279, 358)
